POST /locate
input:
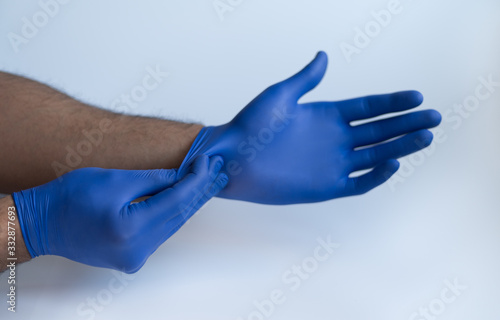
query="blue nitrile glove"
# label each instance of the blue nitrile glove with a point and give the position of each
(278, 151)
(88, 217)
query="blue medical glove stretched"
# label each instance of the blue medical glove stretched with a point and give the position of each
(279, 151)
(88, 217)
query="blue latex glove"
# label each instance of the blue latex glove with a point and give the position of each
(88, 216)
(278, 151)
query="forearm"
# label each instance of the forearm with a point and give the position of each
(11, 239)
(45, 133)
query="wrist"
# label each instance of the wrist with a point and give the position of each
(221, 140)
(179, 137)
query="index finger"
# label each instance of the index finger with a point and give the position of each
(376, 105)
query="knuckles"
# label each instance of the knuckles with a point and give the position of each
(82, 179)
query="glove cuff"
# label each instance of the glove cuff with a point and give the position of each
(30, 222)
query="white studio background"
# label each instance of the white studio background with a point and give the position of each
(401, 246)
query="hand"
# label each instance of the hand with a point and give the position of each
(88, 216)
(278, 151)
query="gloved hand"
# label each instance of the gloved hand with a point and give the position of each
(278, 151)
(88, 216)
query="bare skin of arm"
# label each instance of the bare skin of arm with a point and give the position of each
(11, 239)
(45, 133)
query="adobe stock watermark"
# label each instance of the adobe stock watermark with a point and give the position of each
(93, 138)
(292, 279)
(363, 36)
(75, 155)
(104, 297)
(151, 80)
(31, 26)
(224, 7)
(252, 145)
(436, 307)
(200, 197)
(454, 117)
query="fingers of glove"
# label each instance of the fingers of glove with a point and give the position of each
(369, 157)
(166, 230)
(308, 78)
(172, 201)
(134, 184)
(202, 196)
(373, 106)
(379, 131)
(372, 179)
